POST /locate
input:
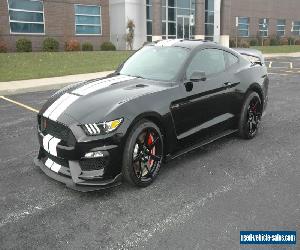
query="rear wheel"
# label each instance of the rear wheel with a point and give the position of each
(143, 154)
(250, 116)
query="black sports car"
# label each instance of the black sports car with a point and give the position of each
(170, 97)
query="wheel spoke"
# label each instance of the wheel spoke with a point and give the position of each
(155, 157)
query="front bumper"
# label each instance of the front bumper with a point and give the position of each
(75, 182)
(63, 158)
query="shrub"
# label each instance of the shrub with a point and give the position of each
(108, 46)
(72, 45)
(3, 47)
(24, 45)
(244, 44)
(267, 42)
(274, 41)
(232, 43)
(291, 40)
(50, 45)
(297, 42)
(284, 41)
(87, 47)
(253, 42)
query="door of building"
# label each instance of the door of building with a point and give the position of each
(183, 27)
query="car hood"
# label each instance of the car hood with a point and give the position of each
(96, 100)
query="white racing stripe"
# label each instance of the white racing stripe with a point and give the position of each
(101, 85)
(80, 90)
(62, 103)
(55, 167)
(49, 163)
(46, 140)
(55, 105)
(52, 146)
(63, 106)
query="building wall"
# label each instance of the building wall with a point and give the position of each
(272, 9)
(59, 24)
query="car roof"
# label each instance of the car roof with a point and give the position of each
(190, 44)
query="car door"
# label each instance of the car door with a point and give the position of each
(205, 103)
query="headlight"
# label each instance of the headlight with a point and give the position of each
(101, 128)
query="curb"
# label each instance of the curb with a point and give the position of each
(34, 89)
(44, 84)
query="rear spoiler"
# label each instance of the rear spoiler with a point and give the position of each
(253, 55)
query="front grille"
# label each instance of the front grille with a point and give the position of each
(57, 130)
(93, 164)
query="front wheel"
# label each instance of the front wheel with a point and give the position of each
(250, 116)
(143, 154)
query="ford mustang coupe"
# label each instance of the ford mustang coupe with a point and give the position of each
(169, 98)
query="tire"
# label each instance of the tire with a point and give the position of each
(143, 153)
(250, 116)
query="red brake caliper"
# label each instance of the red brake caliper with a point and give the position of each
(150, 141)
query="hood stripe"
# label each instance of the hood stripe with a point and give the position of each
(55, 105)
(94, 86)
(62, 103)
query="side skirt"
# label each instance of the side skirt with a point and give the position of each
(200, 144)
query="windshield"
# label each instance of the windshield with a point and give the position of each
(155, 63)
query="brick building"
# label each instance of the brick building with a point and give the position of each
(97, 21)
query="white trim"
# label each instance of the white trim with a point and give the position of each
(28, 11)
(89, 15)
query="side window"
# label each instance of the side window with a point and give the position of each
(210, 61)
(230, 59)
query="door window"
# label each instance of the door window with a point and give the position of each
(210, 61)
(230, 59)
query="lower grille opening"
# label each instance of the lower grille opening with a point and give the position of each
(93, 164)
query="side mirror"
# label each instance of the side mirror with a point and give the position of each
(198, 76)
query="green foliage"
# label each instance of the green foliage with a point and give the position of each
(108, 46)
(254, 42)
(50, 45)
(274, 41)
(24, 45)
(87, 47)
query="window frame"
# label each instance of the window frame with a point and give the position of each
(201, 50)
(281, 26)
(248, 24)
(27, 22)
(297, 31)
(261, 25)
(100, 18)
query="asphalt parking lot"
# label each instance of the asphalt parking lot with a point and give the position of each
(200, 201)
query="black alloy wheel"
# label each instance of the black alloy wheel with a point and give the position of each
(250, 116)
(143, 154)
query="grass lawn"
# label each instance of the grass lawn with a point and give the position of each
(21, 66)
(278, 49)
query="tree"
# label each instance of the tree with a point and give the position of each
(130, 33)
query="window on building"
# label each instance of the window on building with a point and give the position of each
(209, 19)
(176, 18)
(26, 17)
(88, 19)
(243, 26)
(264, 27)
(296, 28)
(149, 19)
(280, 27)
